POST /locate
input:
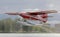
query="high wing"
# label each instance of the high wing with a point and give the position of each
(42, 12)
(12, 13)
(34, 13)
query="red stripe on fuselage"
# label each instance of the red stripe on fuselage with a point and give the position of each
(28, 17)
(43, 17)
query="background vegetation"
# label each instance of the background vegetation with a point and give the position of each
(9, 25)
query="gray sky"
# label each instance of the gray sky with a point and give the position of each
(19, 5)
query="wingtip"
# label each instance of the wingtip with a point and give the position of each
(53, 11)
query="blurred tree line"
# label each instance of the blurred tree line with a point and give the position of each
(10, 25)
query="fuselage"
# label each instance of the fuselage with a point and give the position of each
(42, 17)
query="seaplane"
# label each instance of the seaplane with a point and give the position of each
(31, 18)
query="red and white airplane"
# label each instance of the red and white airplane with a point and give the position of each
(35, 15)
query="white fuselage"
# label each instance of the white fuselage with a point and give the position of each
(28, 22)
